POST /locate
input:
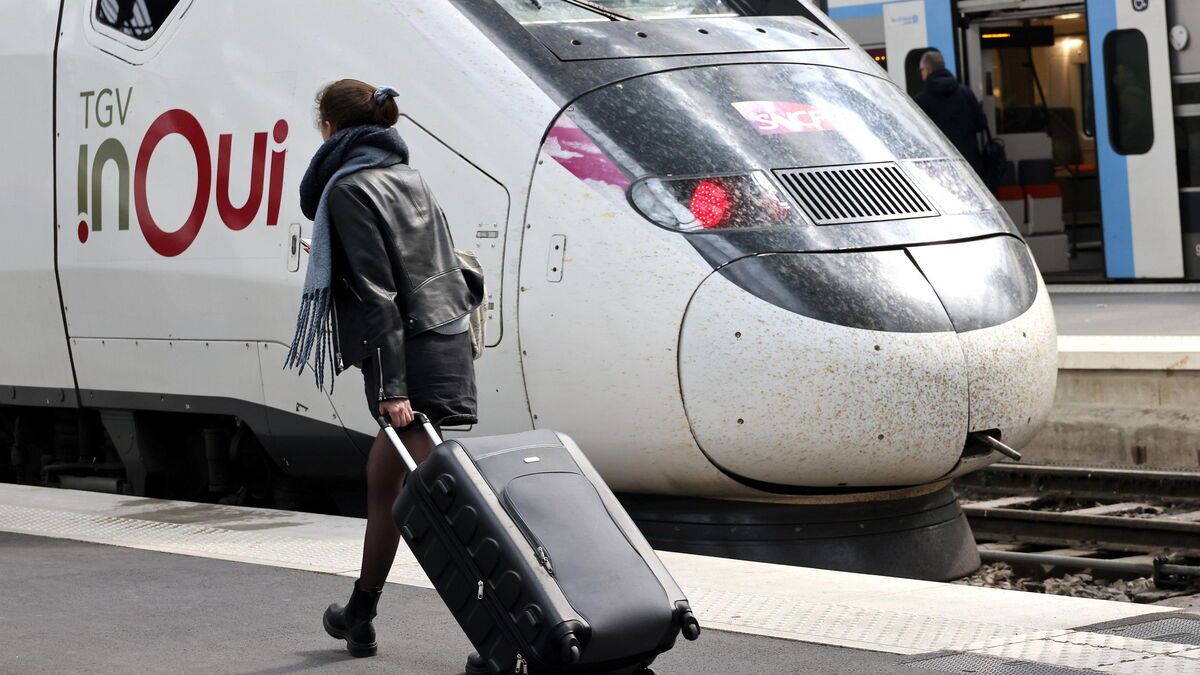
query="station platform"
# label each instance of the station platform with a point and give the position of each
(1127, 309)
(105, 583)
(1129, 377)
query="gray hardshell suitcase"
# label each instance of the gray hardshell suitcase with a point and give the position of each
(535, 557)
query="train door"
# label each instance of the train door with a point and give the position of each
(1080, 94)
(478, 224)
(35, 365)
(1184, 19)
(1030, 69)
(1135, 138)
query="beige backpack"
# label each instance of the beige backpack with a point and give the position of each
(470, 261)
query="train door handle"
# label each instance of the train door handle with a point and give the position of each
(554, 265)
(295, 243)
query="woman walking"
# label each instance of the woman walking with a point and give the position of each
(382, 271)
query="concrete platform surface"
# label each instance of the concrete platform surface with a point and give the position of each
(1127, 309)
(69, 606)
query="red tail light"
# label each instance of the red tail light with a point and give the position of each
(710, 204)
(713, 202)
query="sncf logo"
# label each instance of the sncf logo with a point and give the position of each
(784, 117)
(108, 107)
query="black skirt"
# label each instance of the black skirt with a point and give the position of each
(440, 378)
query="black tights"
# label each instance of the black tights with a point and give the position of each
(385, 475)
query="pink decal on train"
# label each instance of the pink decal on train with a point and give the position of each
(571, 147)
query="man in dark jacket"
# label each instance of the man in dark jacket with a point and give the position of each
(952, 107)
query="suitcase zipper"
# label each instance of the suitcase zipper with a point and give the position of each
(499, 614)
(479, 595)
(543, 557)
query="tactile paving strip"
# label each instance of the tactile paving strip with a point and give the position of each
(901, 632)
(1073, 652)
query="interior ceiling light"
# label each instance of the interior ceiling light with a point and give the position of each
(1068, 16)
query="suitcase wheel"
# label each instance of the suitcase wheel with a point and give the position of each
(571, 649)
(689, 625)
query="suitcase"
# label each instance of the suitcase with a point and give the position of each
(541, 566)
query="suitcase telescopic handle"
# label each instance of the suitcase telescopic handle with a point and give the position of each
(419, 418)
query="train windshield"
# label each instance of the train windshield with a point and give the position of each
(550, 11)
(708, 148)
(739, 117)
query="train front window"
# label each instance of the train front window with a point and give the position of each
(139, 19)
(551, 11)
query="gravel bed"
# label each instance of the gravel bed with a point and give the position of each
(1081, 585)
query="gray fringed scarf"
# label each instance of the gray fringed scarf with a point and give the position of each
(347, 151)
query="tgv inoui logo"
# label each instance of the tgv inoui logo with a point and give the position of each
(108, 107)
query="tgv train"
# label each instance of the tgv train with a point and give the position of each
(1096, 101)
(723, 251)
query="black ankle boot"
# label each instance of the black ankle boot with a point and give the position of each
(352, 623)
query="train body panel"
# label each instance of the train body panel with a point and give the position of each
(609, 370)
(179, 159)
(758, 377)
(34, 352)
(132, 271)
(1013, 373)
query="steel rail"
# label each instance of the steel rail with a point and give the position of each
(1077, 530)
(1164, 573)
(1086, 482)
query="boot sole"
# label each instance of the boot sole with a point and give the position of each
(356, 649)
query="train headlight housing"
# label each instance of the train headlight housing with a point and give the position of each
(713, 202)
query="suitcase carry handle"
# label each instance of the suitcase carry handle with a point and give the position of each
(399, 445)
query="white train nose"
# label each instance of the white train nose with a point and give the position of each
(854, 374)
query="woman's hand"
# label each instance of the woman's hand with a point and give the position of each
(398, 411)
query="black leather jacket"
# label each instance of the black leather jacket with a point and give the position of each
(395, 273)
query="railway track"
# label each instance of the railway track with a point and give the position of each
(1126, 522)
(1106, 508)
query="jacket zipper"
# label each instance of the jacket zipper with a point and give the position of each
(379, 360)
(337, 344)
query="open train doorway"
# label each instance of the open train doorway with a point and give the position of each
(1032, 73)
(1081, 95)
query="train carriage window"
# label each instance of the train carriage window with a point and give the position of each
(1127, 74)
(139, 19)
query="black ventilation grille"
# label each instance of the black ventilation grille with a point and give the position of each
(855, 194)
